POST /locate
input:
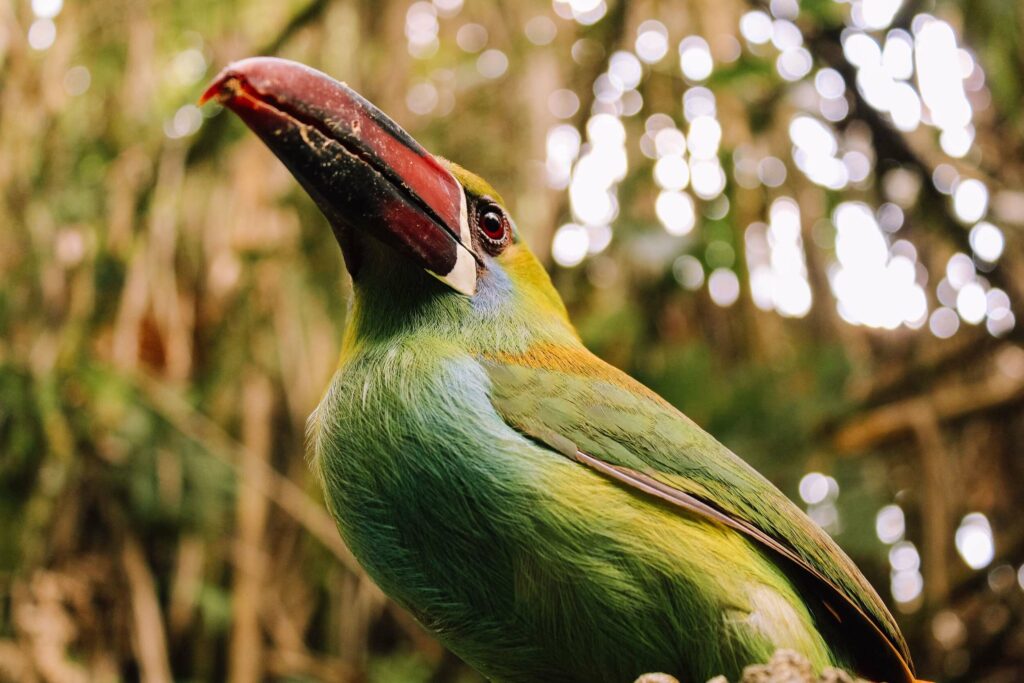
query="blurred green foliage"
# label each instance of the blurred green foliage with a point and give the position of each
(172, 305)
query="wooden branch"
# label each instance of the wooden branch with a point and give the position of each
(898, 419)
(901, 377)
(149, 639)
(186, 582)
(245, 659)
(937, 496)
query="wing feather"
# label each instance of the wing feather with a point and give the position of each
(588, 411)
(833, 599)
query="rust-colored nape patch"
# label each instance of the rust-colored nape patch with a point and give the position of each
(578, 361)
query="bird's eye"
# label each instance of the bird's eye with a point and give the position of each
(493, 224)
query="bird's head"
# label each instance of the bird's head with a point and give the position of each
(430, 246)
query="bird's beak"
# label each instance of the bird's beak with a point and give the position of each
(363, 171)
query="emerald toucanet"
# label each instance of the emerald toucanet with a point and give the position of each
(544, 515)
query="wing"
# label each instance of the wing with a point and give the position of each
(592, 413)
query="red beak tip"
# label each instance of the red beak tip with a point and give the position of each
(230, 81)
(223, 88)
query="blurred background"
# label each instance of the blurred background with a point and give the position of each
(800, 222)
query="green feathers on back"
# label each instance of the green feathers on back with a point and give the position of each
(567, 398)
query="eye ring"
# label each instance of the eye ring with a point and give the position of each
(493, 225)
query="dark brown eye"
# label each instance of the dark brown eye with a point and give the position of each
(492, 223)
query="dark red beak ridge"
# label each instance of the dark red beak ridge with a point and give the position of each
(364, 172)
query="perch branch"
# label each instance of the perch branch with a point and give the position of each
(948, 403)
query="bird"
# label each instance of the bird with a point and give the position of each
(547, 517)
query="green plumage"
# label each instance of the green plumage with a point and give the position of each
(548, 518)
(442, 448)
